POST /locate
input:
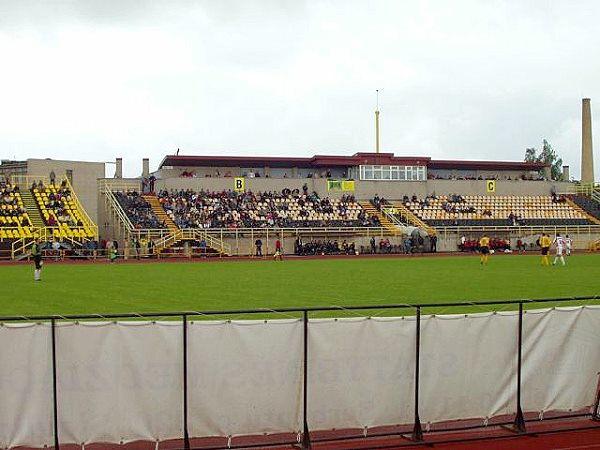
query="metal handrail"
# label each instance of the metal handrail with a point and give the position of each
(413, 306)
(213, 242)
(120, 184)
(163, 232)
(87, 220)
(389, 214)
(587, 188)
(412, 217)
(116, 206)
(577, 229)
(21, 245)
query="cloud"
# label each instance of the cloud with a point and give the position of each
(458, 80)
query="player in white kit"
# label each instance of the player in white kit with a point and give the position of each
(569, 245)
(561, 244)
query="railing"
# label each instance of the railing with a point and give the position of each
(157, 233)
(87, 220)
(530, 229)
(411, 217)
(194, 234)
(177, 352)
(389, 213)
(119, 184)
(116, 207)
(20, 246)
(25, 181)
(213, 242)
(587, 188)
(45, 233)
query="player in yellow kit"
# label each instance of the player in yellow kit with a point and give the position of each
(545, 243)
(484, 248)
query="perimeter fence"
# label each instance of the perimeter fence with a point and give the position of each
(211, 380)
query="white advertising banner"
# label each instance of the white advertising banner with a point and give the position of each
(245, 377)
(26, 398)
(123, 381)
(360, 372)
(561, 358)
(468, 366)
(120, 381)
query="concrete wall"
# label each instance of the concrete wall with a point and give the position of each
(368, 189)
(84, 178)
(244, 245)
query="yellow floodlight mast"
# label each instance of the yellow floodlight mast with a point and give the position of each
(377, 123)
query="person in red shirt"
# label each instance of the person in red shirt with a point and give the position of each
(278, 255)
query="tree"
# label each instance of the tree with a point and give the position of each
(548, 156)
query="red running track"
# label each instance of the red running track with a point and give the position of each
(578, 434)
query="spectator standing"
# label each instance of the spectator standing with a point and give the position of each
(258, 244)
(433, 240)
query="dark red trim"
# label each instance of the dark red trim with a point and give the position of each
(321, 161)
(472, 165)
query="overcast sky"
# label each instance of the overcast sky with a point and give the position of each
(95, 80)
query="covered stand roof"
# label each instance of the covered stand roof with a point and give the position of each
(320, 161)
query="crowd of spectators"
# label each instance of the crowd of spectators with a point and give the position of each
(522, 177)
(378, 202)
(285, 209)
(407, 244)
(591, 206)
(255, 173)
(11, 206)
(138, 210)
(325, 247)
(55, 201)
(458, 210)
(472, 245)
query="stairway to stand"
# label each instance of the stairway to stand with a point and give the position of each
(160, 212)
(32, 209)
(412, 218)
(372, 211)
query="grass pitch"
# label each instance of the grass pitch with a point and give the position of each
(227, 285)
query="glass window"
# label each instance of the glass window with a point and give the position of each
(385, 172)
(402, 173)
(399, 173)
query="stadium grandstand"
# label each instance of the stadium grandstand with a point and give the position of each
(220, 205)
(366, 378)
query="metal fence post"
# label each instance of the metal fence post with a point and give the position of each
(417, 434)
(186, 436)
(596, 412)
(54, 388)
(306, 444)
(519, 423)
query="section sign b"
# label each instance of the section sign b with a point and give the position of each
(238, 184)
